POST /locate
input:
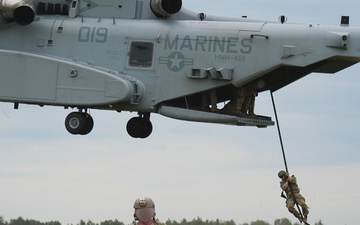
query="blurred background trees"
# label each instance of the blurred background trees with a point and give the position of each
(196, 221)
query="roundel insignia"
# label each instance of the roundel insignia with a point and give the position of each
(176, 61)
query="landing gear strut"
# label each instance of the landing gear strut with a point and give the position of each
(140, 127)
(79, 123)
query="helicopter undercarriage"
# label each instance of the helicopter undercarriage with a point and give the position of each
(82, 123)
(140, 127)
(189, 108)
(79, 123)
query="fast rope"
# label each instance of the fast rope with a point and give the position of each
(284, 156)
(278, 127)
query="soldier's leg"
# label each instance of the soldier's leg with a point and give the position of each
(290, 205)
(304, 207)
(245, 106)
(213, 99)
(204, 100)
(252, 106)
(240, 97)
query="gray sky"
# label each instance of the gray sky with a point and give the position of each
(195, 169)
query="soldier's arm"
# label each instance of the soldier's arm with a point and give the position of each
(283, 185)
(292, 179)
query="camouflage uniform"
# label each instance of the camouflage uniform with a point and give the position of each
(240, 98)
(237, 101)
(290, 203)
(205, 97)
(249, 101)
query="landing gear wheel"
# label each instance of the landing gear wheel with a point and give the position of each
(147, 128)
(138, 127)
(79, 123)
(89, 124)
(75, 123)
(134, 127)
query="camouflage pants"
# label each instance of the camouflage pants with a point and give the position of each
(290, 204)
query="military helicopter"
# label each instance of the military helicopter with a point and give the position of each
(154, 56)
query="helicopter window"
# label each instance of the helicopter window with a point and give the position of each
(141, 54)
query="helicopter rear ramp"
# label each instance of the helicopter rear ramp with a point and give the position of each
(214, 117)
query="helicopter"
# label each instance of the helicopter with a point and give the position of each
(155, 56)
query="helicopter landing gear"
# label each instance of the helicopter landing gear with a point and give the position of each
(79, 123)
(140, 127)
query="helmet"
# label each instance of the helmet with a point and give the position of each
(144, 209)
(144, 202)
(281, 173)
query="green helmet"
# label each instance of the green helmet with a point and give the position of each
(144, 202)
(281, 173)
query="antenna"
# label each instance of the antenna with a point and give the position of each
(282, 19)
(202, 16)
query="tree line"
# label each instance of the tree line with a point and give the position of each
(197, 221)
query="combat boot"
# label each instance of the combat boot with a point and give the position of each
(300, 219)
(305, 218)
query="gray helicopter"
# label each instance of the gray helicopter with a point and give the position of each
(154, 56)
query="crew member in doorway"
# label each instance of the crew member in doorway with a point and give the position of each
(212, 96)
(239, 100)
(236, 102)
(249, 102)
(292, 190)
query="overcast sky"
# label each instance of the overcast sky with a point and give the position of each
(195, 169)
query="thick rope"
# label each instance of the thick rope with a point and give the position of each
(278, 127)
(283, 153)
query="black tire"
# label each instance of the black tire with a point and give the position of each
(89, 124)
(75, 123)
(139, 127)
(147, 128)
(134, 127)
